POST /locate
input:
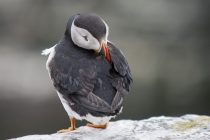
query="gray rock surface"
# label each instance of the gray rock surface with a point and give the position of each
(188, 127)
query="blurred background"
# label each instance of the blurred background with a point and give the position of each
(167, 44)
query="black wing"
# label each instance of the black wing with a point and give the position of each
(76, 76)
(121, 75)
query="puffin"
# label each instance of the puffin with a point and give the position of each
(89, 73)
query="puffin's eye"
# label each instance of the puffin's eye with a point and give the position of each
(85, 37)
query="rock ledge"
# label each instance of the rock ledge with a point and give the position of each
(188, 127)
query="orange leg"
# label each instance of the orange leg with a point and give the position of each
(102, 126)
(72, 127)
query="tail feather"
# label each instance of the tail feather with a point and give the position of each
(47, 51)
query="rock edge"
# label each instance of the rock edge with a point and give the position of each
(188, 127)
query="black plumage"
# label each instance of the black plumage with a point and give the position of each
(78, 73)
(87, 80)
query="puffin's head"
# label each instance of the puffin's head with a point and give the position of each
(89, 31)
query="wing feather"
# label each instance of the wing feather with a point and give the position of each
(78, 82)
(120, 77)
(93, 102)
(80, 87)
(117, 101)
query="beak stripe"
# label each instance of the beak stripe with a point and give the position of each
(107, 54)
(105, 51)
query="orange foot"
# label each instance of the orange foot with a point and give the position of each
(73, 126)
(102, 126)
(66, 130)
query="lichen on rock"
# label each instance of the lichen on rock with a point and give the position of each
(198, 121)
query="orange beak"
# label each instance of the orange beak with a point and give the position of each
(105, 51)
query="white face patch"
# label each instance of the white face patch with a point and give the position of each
(83, 38)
